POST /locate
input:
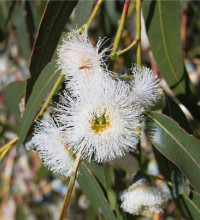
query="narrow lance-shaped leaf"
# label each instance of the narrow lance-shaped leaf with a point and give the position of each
(98, 172)
(175, 144)
(163, 29)
(40, 89)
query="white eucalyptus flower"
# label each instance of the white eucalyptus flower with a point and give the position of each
(48, 141)
(80, 61)
(143, 198)
(145, 87)
(103, 121)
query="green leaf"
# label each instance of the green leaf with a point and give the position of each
(175, 144)
(193, 203)
(4, 14)
(19, 21)
(93, 191)
(190, 206)
(82, 12)
(13, 95)
(98, 171)
(40, 89)
(178, 180)
(53, 21)
(163, 29)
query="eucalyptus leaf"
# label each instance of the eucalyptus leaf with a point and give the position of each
(193, 203)
(82, 12)
(190, 206)
(94, 193)
(175, 144)
(98, 171)
(54, 19)
(40, 90)
(163, 28)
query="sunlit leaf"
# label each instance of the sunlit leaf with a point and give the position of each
(175, 144)
(163, 29)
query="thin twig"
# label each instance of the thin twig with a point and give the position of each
(120, 30)
(128, 48)
(4, 149)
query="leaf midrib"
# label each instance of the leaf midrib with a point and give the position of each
(165, 46)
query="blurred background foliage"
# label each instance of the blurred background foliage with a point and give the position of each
(27, 189)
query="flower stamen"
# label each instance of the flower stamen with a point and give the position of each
(100, 123)
(85, 66)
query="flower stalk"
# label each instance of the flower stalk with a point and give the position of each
(63, 213)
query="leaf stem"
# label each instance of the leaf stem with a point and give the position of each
(120, 30)
(128, 48)
(138, 31)
(63, 213)
(127, 77)
(4, 149)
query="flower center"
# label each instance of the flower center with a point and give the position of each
(100, 123)
(85, 66)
